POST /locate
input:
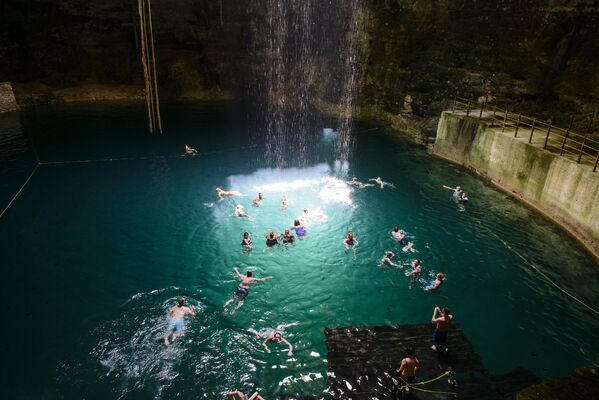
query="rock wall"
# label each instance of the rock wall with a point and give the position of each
(7, 98)
(559, 187)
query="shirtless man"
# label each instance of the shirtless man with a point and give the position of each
(442, 319)
(350, 241)
(437, 283)
(387, 260)
(409, 367)
(355, 182)
(242, 396)
(240, 212)
(257, 200)
(222, 193)
(190, 151)
(176, 323)
(243, 289)
(275, 335)
(416, 269)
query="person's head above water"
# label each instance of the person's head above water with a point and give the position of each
(389, 254)
(445, 310)
(277, 337)
(219, 189)
(396, 229)
(286, 231)
(271, 235)
(417, 262)
(180, 302)
(458, 188)
(246, 235)
(440, 276)
(296, 222)
(354, 179)
(305, 211)
(249, 273)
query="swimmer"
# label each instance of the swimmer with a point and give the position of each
(272, 239)
(246, 242)
(284, 203)
(399, 235)
(463, 198)
(276, 336)
(409, 367)
(243, 289)
(408, 247)
(437, 283)
(190, 151)
(257, 200)
(242, 396)
(288, 238)
(416, 270)
(381, 183)
(299, 229)
(350, 240)
(176, 323)
(310, 216)
(457, 191)
(388, 260)
(442, 319)
(222, 193)
(355, 182)
(240, 212)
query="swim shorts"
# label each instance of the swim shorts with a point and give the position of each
(439, 337)
(176, 325)
(241, 293)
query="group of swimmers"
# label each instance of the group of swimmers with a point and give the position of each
(459, 194)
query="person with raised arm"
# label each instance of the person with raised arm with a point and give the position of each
(442, 320)
(243, 289)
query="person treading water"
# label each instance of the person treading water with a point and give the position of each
(284, 203)
(299, 229)
(414, 273)
(288, 238)
(240, 212)
(176, 320)
(246, 242)
(275, 336)
(257, 200)
(388, 260)
(243, 289)
(436, 284)
(272, 239)
(442, 319)
(399, 235)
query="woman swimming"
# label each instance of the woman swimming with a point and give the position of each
(246, 242)
(299, 229)
(272, 239)
(350, 240)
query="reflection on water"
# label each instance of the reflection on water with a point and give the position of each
(96, 253)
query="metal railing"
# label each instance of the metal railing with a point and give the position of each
(583, 147)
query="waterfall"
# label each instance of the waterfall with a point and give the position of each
(313, 54)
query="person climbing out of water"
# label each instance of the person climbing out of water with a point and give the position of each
(388, 260)
(399, 235)
(436, 283)
(222, 193)
(242, 396)
(243, 289)
(284, 203)
(246, 242)
(288, 238)
(240, 212)
(272, 239)
(442, 319)
(408, 369)
(350, 240)
(299, 229)
(176, 320)
(257, 200)
(416, 270)
(190, 151)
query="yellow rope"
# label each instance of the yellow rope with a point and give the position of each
(412, 385)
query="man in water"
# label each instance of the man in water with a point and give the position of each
(355, 182)
(240, 212)
(176, 323)
(288, 238)
(437, 282)
(246, 242)
(416, 269)
(222, 193)
(276, 336)
(387, 260)
(350, 241)
(243, 289)
(190, 151)
(258, 199)
(399, 235)
(242, 396)
(442, 319)
(284, 203)
(272, 239)
(409, 367)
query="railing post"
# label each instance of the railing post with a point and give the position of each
(582, 148)
(468, 108)
(518, 125)
(455, 99)
(547, 137)
(596, 162)
(482, 107)
(532, 130)
(493, 117)
(504, 119)
(566, 137)
(591, 122)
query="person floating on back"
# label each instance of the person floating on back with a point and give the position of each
(388, 260)
(408, 368)
(176, 320)
(243, 289)
(442, 319)
(242, 396)
(190, 151)
(440, 278)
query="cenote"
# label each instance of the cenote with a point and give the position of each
(95, 251)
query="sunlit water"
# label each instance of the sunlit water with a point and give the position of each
(94, 253)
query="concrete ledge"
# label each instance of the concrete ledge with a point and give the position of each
(558, 187)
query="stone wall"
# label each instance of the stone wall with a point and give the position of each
(7, 98)
(559, 187)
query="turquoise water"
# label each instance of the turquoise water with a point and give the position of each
(93, 254)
